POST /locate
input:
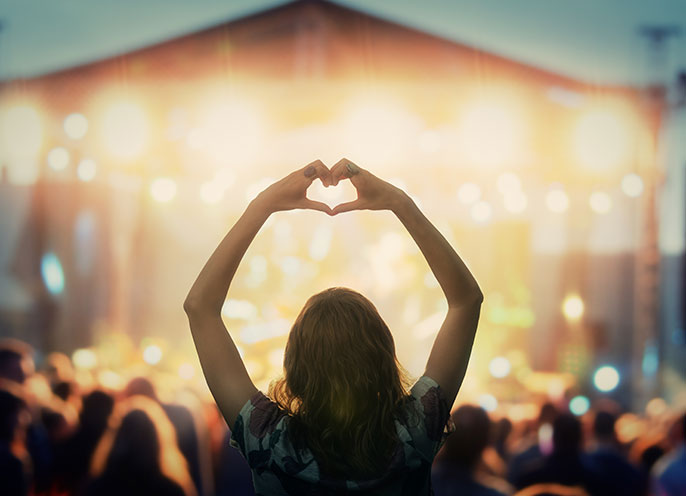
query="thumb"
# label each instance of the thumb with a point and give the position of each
(315, 205)
(348, 206)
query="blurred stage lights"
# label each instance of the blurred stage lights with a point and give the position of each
(491, 134)
(163, 189)
(86, 170)
(508, 183)
(58, 158)
(515, 202)
(499, 367)
(601, 140)
(557, 200)
(606, 378)
(469, 193)
(600, 202)
(632, 185)
(21, 133)
(186, 371)
(124, 130)
(488, 402)
(52, 273)
(579, 405)
(84, 358)
(76, 126)
(481, 212)
(152, 354)
(573, 307)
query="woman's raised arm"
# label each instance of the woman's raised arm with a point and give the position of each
(222, 365)
(450, 353)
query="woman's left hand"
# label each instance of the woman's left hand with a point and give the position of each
(291, 192)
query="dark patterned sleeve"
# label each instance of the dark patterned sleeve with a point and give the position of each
(257, 429)
(432, 414)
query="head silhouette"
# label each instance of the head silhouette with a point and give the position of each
(140, 441)
(465, 445)
(342, 383)
(567, 435)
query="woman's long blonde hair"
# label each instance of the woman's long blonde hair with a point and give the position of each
(342, 384)
(169, 461)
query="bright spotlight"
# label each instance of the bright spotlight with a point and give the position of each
(491, 134)
(152, 354)
(573, 307)
(163, 189)
(84, 358)
(499, 367)
(600, 202)
(481, 212)
(53, 275)
(58, 158)
(557, 200)
(124, 130)
(469, 193)
(488, 402)
(86, 170)
(21, 133)
(579, 405)
(601, 140)
(632, 185)
(606, 378)
(76, 126)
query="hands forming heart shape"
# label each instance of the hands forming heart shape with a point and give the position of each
(291, 192)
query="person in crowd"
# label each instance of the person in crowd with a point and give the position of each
(565, 465)
(535, 443)
(13, 479)
(16, 368)
(182, 420)
(138, 454)
(607, 459)
(74, 455)
(669, 473)
(455, 467)
(341, 418)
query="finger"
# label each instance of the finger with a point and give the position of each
(340, 170)
(315, 205)
(348, 206)
(317, 169)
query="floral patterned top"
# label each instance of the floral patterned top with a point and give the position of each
(280, 469)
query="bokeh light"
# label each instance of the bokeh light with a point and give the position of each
(163, 189)
(124, 130)
(632, 185)
(499, 367)
(557, 200)
(579, 405)
(600, 202)
(52, 273)
(76, 126)
(84, 358)
(481, 212)
(488, 402)
(573, 307)
(606, 378)
(87, 169)
(152, 354)
(58, 158)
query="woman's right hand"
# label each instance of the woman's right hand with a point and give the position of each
(372, 193)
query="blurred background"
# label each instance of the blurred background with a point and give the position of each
(546, 140)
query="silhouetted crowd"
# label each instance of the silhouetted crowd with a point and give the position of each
(63, 435)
